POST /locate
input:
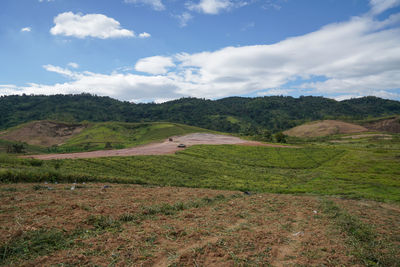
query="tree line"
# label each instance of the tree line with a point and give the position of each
(250, 116)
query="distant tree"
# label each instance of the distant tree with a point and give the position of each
(280, 137)
(266, 136)
(108, 145)
(16, 148)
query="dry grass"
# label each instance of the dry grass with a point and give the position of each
(325, 128)
(128, 226)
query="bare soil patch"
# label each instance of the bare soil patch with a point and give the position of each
(391, 125)
(325, 128)
(165, 147)
(43, 133)
(238, 230)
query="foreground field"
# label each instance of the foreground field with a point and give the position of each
(125, 225)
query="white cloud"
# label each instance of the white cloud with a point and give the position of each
(41, 1)
(59, 70)
(354, 58)
(90, 25)
(73, 65)
(154, 65)
(26, 29)
(273, 4)
(277, 91)
(144, 35)
(212, 7)
(155, 4)
(183, 18)
(379, 6)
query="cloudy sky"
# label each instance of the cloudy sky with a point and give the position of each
(158, 50)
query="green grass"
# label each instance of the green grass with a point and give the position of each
(120, 135)
(348, 171)
(34, 243)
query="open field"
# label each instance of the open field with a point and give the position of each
(125, 225)
(162, 148)
(357, 169)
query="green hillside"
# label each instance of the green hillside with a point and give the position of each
(118, 135)
(233, 114)
(91, 136)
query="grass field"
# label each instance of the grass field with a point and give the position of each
(359, 169)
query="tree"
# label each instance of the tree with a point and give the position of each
(280, 137)
(16, 148)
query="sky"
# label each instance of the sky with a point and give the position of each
(160, 50)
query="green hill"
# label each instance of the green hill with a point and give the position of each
(233, 114)
(72, 137)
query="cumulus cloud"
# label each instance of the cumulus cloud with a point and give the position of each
(349, 59)
(155, 4)
(26, 29)
(90, 25)
(154, 65)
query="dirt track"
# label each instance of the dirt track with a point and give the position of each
(166, 147)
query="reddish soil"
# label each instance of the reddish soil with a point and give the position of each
(166, 147)
(255, 230)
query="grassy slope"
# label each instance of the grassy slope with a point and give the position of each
(360, 170)
(117, 134)
(122, 135)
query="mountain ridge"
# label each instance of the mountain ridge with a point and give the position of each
(231, 114)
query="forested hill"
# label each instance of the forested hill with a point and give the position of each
(233, 114)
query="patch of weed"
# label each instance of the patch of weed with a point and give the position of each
(33, 244)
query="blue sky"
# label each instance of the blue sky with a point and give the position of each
(158, 50)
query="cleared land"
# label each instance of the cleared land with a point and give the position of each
(385, 125)
(42, 133)
(325, 128)
(126, 225)
(166, 147)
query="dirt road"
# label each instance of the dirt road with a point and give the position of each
(166, 147)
